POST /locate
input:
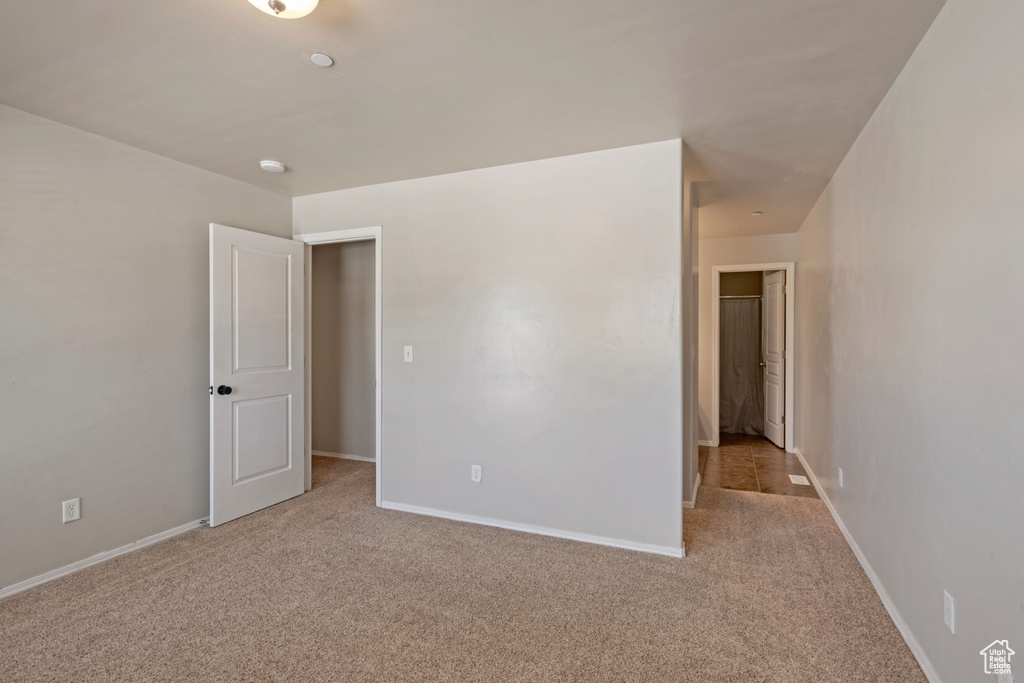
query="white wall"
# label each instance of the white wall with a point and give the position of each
(542, 302)
(910, 331)
(103, 341)
(344, 369)
(728, 251)
(689, 307)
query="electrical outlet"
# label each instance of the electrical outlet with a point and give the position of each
(72, 510)
(408, 354)
(476, 474)
(840, 477)
(949, 612)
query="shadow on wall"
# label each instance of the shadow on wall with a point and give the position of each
(705, 418)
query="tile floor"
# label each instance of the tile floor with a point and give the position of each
(751, 463)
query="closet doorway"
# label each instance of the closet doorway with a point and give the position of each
(752, 352)
(343, 347)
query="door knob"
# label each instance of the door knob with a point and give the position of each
(223, 390)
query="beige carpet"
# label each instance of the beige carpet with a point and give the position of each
(327, 587)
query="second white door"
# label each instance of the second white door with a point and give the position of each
(774, 332)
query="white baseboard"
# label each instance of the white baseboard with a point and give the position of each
(890, 606)
(96, 559)
(707, 443)
(531, 529)
(327, 454)
(690, 504)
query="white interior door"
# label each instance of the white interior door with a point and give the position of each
(774, 332)
(257, 393)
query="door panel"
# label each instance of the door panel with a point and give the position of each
(261, 443)
(260, 333)
(774, 331)
(256, 349)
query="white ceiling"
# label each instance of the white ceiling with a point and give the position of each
(768, 94)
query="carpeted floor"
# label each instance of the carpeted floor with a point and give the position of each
(327, 587)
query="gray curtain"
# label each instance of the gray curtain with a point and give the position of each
(741, 390)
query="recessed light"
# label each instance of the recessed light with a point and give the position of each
(757, 213)
(321, 59)
(272, 166)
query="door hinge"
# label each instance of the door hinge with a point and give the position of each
(783, 419)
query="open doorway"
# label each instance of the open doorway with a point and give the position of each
(751, 337)
(343, 347)
(752, 383)
(752, 321)
(342, 351)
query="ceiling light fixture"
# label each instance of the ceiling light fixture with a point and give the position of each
(272, 166)
(757, 213)
(320, 59)
(285, 9)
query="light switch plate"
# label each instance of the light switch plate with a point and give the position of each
(408, 354)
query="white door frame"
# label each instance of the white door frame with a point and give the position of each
(790, 268)
(333, 237)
